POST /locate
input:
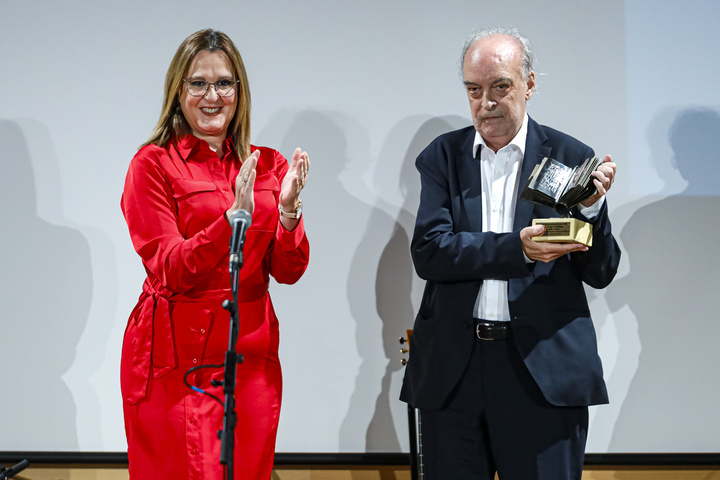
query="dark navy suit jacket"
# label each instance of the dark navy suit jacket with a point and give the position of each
(553, 330)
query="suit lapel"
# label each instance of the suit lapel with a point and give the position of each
(535, 150)
(470, 182)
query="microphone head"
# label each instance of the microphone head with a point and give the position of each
(241, 216)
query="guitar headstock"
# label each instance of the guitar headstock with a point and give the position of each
(405, 341)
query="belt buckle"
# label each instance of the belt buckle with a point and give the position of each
(479, 335)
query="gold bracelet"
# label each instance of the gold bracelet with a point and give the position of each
(296, 214)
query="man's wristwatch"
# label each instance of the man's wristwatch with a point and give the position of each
(296, 214)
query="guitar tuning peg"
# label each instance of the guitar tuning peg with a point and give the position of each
(403, 361)
(404, 350)
(402, 340)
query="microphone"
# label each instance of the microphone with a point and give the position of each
(12, 471)
(240, 221)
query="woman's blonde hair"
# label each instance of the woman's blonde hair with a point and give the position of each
(172, 121)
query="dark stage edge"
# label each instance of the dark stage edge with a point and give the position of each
(363, 459)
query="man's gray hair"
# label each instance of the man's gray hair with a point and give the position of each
(528, 56)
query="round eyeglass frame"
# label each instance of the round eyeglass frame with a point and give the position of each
(233, 86)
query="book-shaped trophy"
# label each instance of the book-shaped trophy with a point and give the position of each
(556, 185)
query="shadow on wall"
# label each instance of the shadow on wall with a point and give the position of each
(317, 337)
(672, 289)
(385, 248)
(360, 275)
(46, 288)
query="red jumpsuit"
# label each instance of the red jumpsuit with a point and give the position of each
(173, 201)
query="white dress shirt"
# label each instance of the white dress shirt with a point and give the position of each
(500, 177)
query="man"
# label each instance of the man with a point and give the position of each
(503, 359)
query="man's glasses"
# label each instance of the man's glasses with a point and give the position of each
(198, 88)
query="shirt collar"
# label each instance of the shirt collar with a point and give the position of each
(518, 140)
(188, 144)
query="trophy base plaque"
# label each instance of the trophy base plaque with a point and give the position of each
(564, 230)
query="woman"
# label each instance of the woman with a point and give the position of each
(181, 189)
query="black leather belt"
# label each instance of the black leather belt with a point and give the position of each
(485, 330)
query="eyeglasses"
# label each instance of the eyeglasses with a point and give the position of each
(199, 88)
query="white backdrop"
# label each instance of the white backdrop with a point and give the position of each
(363, 87)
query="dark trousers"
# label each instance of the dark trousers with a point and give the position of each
(497, 420)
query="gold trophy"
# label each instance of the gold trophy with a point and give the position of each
(556, 185)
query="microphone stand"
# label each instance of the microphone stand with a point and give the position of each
(232, 359)
(6, 473)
